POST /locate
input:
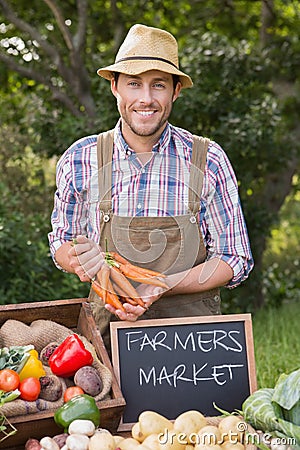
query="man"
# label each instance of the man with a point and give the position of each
(155, 194)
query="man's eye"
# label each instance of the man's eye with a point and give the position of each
(133, 83)
(159, 85)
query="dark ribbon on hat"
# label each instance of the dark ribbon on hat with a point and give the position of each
(146, 58)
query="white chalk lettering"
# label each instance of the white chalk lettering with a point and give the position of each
(147, 379)
(163, 375)
(205, 341)
(156, 341)
(131, 341)
(178, 374)
(179, 342)
(196, 372)
(146, 341)
(221, 374)
(174, 376)
(217, 375)
(202, 341)
(217, 339)
(239, 346)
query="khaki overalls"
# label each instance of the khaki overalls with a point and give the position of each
(165, 244)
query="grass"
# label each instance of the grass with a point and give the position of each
(276, 342)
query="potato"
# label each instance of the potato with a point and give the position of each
(207, 447)
(172, 440)
(89, 379)
(227, 445)
(151, 422)
(232, 428)
(210, 434)
(145, 447)
(136, 432)
(189, 423)
(152, 442)
(128, 444)
(118, 439)
(102, 439)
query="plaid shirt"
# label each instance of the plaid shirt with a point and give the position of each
(158, 188)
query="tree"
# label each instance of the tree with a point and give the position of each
(68, 80)
(243, 57)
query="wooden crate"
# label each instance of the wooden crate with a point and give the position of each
(75, 314)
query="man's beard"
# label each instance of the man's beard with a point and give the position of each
(146, 131)
(140, 131)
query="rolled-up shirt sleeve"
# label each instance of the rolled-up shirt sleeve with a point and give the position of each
(223, 223)
(68, 218)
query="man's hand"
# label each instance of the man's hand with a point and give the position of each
(85, 258)
(131, 313)
(149, 295)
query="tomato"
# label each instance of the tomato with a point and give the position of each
(9, 380)
(30, 389)
(71, 391)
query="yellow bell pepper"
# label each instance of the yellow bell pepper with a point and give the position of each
(33, 367)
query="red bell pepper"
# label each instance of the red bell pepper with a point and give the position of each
(69, 356)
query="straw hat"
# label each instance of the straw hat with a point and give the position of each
(147, 48)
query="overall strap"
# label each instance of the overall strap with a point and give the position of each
(105, 144)
(198, 162)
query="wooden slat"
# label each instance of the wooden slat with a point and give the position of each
(86, 323)
(64, 312)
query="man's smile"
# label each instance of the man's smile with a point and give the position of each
(145, 113)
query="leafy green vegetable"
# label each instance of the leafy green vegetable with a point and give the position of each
(289, 429)
(293, 415)
(14, 357)
(259, 411)
(287, 395)
(276, 410)
(8, 396)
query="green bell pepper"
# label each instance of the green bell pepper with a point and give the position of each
(81, 406)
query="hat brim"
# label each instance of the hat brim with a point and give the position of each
(138, 67)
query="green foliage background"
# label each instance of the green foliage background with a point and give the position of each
(245, 97)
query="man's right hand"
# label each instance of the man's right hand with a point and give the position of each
(85, 258)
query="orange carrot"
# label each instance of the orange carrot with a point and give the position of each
(112, 298)
(103, 277)
(147, 280)
(129, 271)
(148, 272)
(134, 275)
(118, 258)
(145, 272)
(128, 300)
(125, 285)
(119, 290)
(123, 296)
(98, 289)
(132, 302)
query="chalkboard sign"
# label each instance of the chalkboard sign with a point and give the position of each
(174, 365)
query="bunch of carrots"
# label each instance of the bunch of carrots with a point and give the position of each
(112, 282)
